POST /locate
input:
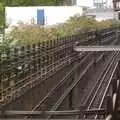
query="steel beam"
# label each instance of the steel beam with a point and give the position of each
(69, 112)
(96, 48)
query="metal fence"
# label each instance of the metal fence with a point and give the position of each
(23, 68)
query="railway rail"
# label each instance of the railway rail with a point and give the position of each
(102, 86)
(53, 111)
(65, 93)
(68, 78)
(64, 46)
(39, 69)
(71, 87)
(25, 84)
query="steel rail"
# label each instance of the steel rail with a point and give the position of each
(27, 83)
(96, 83)
(100, 57)
(97, 48)
(55, 107)
(61, 82)
(68, 90)
(15, 113)
(100, 84)
(39, 113)
(108, 85)
(69, 45)
(102, 80)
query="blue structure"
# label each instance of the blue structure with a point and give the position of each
(40, 17)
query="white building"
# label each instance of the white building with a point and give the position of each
(101, 14)
(48, 15)
(86, 3)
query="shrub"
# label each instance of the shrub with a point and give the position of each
(29, 34)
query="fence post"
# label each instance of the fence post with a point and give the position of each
(39, 55)
(94, 58)
(117, 35)
(15, 55)
(2, 112)
(22, 56)
(98, 37)
(28, 55)
(1, 85)
(34, 58)
(43, 58)
(118, 71)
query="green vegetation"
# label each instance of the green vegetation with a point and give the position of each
(2, 19)
(24, 34)
(5, 46)
(29, 34)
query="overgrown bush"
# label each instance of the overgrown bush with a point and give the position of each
(6, 46)
(29, 34)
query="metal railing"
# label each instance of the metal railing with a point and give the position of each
(19, 66)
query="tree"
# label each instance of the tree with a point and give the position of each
(2, 18)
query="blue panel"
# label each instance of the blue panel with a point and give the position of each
(40, 17)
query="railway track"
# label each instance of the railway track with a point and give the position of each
(66, 92)
(60, 85)
(98, 93)
(19, 88)
(53, 92)
(71, 87)
(68, 79)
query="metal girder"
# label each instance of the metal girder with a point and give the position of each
(68, 112)
(96, 48)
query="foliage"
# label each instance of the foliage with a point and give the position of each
(1, 15)
(82, 23)
(6, 45)
(3, 3)
(29, 34)
(30, 2)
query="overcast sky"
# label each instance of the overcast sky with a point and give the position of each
(90, 2)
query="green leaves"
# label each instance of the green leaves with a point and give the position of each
(2, 19)
(34, 2)
(29, 34)
(1, 7)
(6, 46)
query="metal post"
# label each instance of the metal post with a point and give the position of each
(94, 58)
(118, 71)
(1, 83)
(2, 112)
